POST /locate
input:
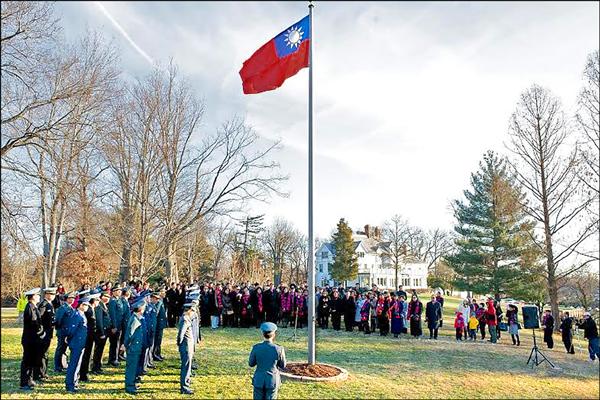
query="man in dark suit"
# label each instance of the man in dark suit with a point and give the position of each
(33, 334)
(103, 327)
(267, 357)
(47, 315)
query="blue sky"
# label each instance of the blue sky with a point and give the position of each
(408, 96)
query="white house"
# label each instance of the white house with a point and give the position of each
(374, 266)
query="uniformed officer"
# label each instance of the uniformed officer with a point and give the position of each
(76, 337)
(267, 357)
(150, 315)
(90, 316)
(134, 343)
(47, 315)
(103, 327)
(161, 324)
(115, 310)
(33, 334)
(186, 344)
(63, 313)
(125, 294)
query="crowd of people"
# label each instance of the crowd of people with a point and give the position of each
(132, 317)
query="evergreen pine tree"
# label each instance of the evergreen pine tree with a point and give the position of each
(495, 250)
(345, 263)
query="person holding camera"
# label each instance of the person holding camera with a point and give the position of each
(590, 332)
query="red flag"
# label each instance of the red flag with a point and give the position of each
(278, 59)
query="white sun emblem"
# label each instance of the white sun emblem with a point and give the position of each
(293, 37)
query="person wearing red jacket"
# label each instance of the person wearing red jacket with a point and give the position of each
(459, 325)
(491, 320)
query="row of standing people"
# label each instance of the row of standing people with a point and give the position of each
(83, 321)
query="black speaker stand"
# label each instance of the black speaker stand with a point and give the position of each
(536, 357)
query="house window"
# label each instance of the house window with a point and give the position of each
(405, 281)
(361, 254)
(324, 254)
(417, 282)
(321, 268)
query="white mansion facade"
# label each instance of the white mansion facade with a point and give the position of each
(374, 266)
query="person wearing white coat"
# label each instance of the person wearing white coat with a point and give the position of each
(465, 310)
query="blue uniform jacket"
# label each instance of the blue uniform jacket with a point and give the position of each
(126, 313)
(161, 315)
(77, 329)
(115, 311)
(185, 335)
(103, 321)
(60, 318)
(150, 316)
(267, 357)
(134, 334)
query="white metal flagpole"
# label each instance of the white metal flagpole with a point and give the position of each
(311, 264)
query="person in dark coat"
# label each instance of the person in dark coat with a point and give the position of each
(206, 306)
(171, 304)
(258, 307)
(125, 295)
(103, 327)
(433, 316)
(115, 311)
(60, 318)
(47, 316)
(336, 309)
(566, 331)
(161, 324)
(548, 324)
(590, 332)
(90, 317)
(415, 309)
(31, 339)
(323, 310)
(76, 337)
(382, 308)
(349, 310)
(398, 311)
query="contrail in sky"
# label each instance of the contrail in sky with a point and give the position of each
(125, 35)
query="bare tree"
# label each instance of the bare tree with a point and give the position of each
(395, 233)
(437, 245)
(299, 259)
(216, 177)
(50, 166)
(548, 172)
(41, 83)
(588, 121)
(279, 241)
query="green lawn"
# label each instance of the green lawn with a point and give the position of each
(378, 367)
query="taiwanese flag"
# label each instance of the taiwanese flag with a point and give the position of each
(280, 58)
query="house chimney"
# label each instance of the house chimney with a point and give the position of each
(377, 234)
(368, 231)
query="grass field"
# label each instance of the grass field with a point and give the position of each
(379, 368)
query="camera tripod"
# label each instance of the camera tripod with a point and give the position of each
(536, 356)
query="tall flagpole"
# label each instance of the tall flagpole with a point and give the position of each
(311, 264)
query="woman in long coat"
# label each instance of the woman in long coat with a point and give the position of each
(415, 309)
(398, 315)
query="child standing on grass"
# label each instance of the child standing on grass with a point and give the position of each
(459, 325)
(473, 324)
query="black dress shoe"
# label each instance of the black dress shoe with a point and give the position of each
(138, 378)
(72, 390)
(84, 379)
(26, 387)
(131, 391)
(151, 366)
(187, 392)
(114, 364)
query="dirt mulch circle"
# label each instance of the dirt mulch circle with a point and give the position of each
(313, 371)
